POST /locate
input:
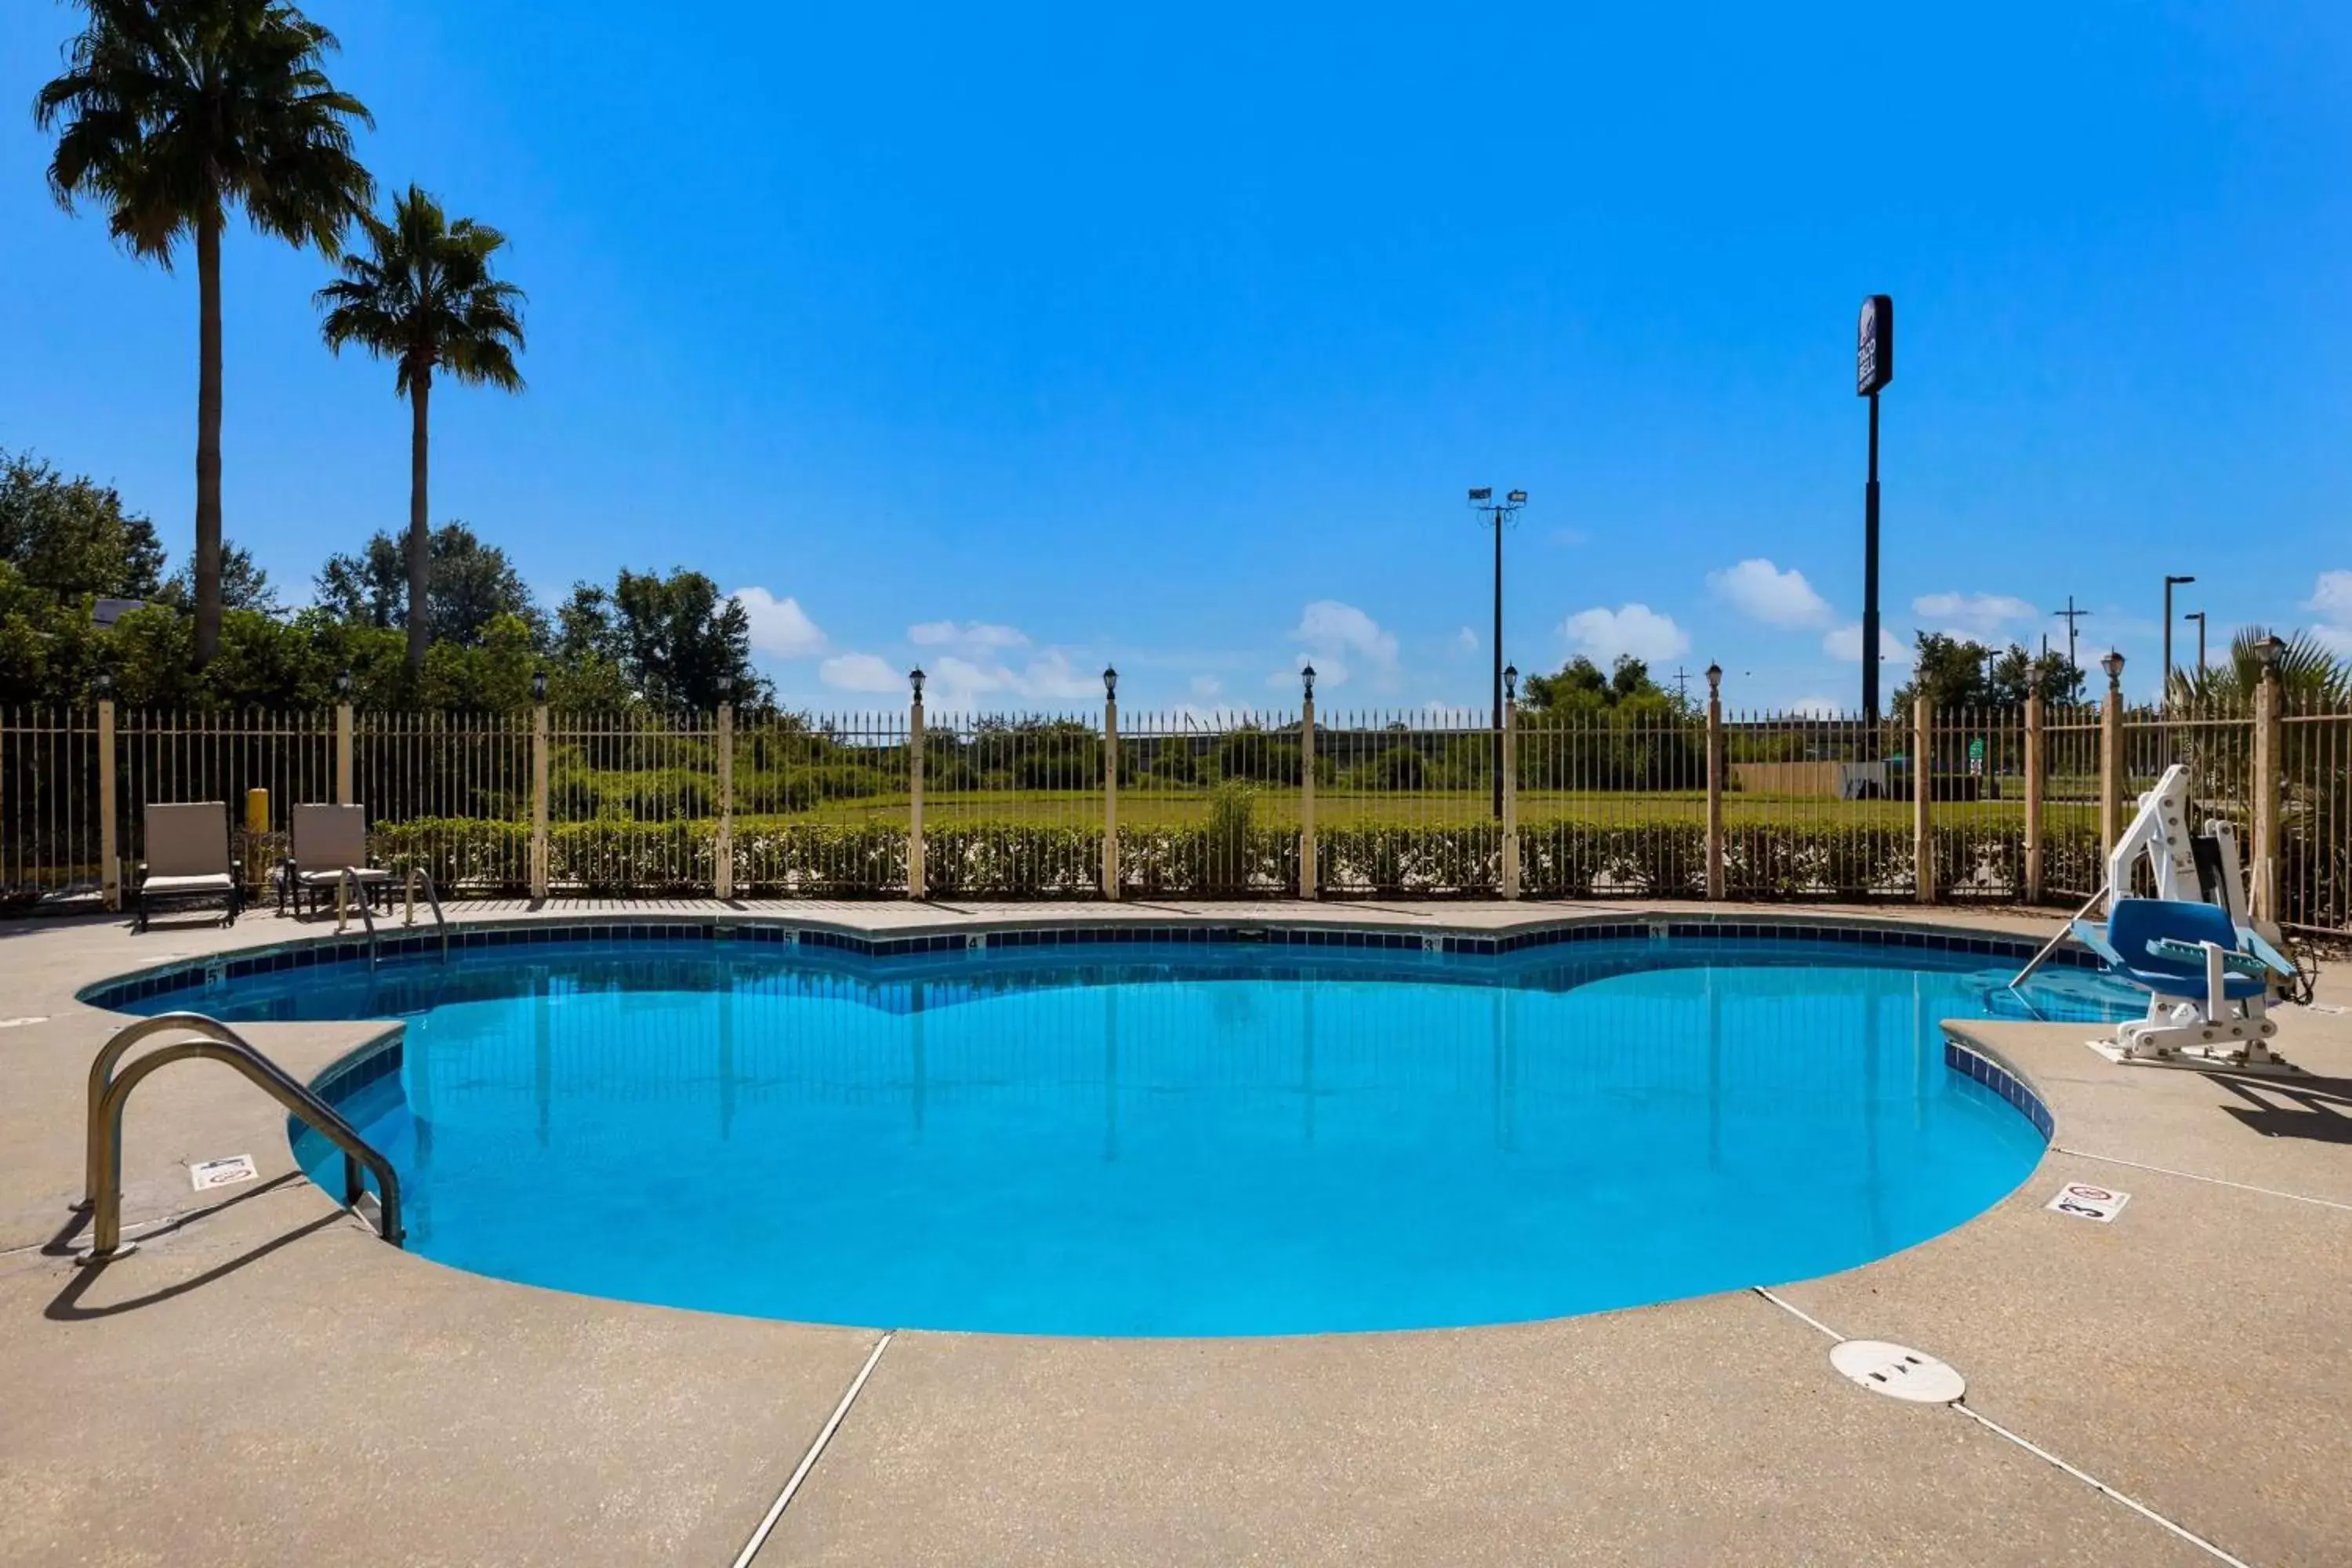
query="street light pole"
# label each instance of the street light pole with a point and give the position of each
(1482, 500)
(2199, 617)
(2170, 583)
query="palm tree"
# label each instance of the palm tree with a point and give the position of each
(175, 110)
(425, 299)
(2308, 673)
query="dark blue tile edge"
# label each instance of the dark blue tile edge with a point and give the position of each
(309, 952)
(1984, 1070)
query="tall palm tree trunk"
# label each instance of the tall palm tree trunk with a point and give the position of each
(208, 439)
(420, 542)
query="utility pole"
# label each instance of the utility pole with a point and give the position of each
(1682, 683)
(2071, 616)
(1482, 501)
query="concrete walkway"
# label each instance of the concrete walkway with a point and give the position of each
(265, 1383)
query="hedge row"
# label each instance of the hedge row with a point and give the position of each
(1557, 860)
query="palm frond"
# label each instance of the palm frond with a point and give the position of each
(170, 114)
(423, 294)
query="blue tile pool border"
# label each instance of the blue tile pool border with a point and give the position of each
(194, 975)
(1973, 1062)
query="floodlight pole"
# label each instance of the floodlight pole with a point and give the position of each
(1482, 500)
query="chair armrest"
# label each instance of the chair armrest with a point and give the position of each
(2091, 936)
(2272, 959)
(2180, 952)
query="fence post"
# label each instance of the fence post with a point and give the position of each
(1717, 887)
(109, 851)
(1510, 763)
(2034, 766)
(1309, 881)
(914, 883)
(722, 870)
(539, 866)
(2268, 722)
(1110, 785)
(1923, 795)
(2111, 763)
(343, 753)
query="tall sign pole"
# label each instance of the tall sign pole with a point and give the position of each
(1873, 367)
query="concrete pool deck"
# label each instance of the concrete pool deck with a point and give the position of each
(263, 1381)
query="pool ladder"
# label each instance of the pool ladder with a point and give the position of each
(212, 1040)
(350, 890)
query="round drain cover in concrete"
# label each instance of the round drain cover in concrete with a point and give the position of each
(1898, 1370)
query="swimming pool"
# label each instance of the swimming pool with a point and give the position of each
(1166, 1136)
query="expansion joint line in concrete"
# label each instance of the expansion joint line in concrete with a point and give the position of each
(2038, 1452)
(808, 1460)
(2193, 1176)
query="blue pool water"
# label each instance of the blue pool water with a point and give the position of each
(1195, 1140)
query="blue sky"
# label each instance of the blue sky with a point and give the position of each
(1018, 341)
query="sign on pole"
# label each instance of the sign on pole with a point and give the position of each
(1874, 353)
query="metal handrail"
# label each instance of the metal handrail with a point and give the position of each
(106, 1134)
(433, 899)
(348, 888)
(101, 1077)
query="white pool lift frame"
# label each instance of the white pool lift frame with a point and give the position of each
(2210, 1028)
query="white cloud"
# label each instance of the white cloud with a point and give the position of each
(1206, 685)
(779, 627)
(1762, 591)
(1845, 643)
(971, 636)
(860, 672)
(1975, 616)
(955, 681)
(1817, 707)
(2331, 596)
(1466, 641)
(1336, 636)
(1636, 629)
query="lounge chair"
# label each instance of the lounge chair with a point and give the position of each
(330, 843)
(188, 860)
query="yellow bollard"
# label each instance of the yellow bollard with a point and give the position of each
(257, 830)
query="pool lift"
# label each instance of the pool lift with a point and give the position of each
(2211, 971)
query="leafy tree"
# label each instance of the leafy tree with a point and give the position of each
(1581, 687)
(1959, 673)
(428, 300)
(243, 585)
(366, 588)
(171, 111)
(71, 537)
(675, 639)
(50, 649)
(472, 585)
